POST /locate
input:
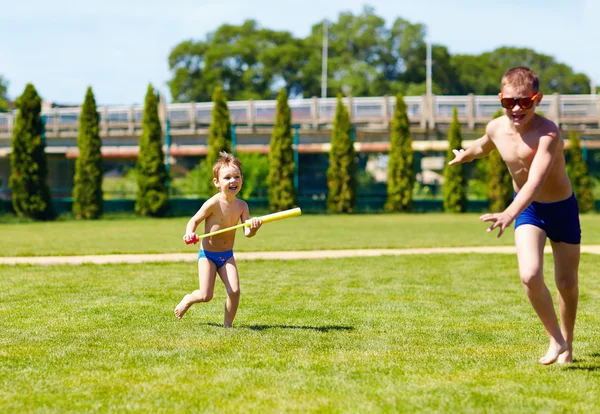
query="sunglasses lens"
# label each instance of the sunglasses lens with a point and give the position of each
(508, 103)
(526, 103)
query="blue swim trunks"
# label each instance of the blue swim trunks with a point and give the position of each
(218, 258)
(560, 220)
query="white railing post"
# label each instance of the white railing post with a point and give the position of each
(162, 112)
(424, 111)
(314, 111)
(192, 117)
(105, 121)
(431, 111)
(55, 121)
(555, 109)
(471, 111)
(350, 110)
(251, 113)
(10, 122)
(131, 121)
(386, 111)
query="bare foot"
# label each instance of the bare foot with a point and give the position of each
(566, 357)
(183, 306)
(554, 350)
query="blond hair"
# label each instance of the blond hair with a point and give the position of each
(226, 160)
(521, 78)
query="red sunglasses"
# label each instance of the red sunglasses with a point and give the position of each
(525, 103)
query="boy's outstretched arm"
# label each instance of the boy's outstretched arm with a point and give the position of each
(548, 147)
(480, 148)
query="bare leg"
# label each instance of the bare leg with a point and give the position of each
(206, 275)
(566, 265)
(231, 280)
(530, 241)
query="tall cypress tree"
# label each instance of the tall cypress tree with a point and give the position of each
(401, 175)
(282, 194)
(341, 173)
(500, 183)
(455, 182)
(582, 182)
(219, 139)
(29, 169)
(87, 190)
(3, 93)
(152, 197)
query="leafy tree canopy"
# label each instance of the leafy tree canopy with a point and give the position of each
(365, 56)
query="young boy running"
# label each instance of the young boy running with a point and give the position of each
(222, 210)
(544, 204)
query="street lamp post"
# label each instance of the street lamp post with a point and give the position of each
(324, 60)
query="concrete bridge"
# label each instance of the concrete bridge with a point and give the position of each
(186, 124)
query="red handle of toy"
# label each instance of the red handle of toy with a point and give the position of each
(194, 240)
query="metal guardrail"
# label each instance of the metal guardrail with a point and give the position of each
(473, 110)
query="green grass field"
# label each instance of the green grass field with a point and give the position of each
(307, 232)
(435, 333)
(440, 333)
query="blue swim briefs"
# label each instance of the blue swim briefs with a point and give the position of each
(218, 258)
(560, 220)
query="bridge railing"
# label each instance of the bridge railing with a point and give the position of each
(377, 112)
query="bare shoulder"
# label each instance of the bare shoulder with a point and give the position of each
(210, 203)
(546, 127)
(242, 210)
(494, 125)
(242, 204)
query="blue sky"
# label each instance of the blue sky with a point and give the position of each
(119, 46)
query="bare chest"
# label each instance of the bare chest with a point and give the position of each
(224, 216)
(517, 153)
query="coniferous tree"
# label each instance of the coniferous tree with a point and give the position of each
(152, 197)
(582, 182)
(282, 194)
(455, 182)
(500, 184)
(87, 189)
(341, 173)
(3, 94)
(401, 175)
(219, 139)
(29, 169)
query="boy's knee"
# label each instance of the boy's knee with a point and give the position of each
(203, 296)
(532, 278)
(566, 283)
(234, 293)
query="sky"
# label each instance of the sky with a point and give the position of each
(119, 46)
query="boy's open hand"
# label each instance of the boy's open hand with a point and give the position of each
(499, 220)
(459, 155)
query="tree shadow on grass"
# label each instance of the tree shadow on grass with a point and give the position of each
(326, 328)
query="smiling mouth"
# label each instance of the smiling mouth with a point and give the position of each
(518, 117)
(233, 187)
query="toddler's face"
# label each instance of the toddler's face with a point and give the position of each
(229, 181)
